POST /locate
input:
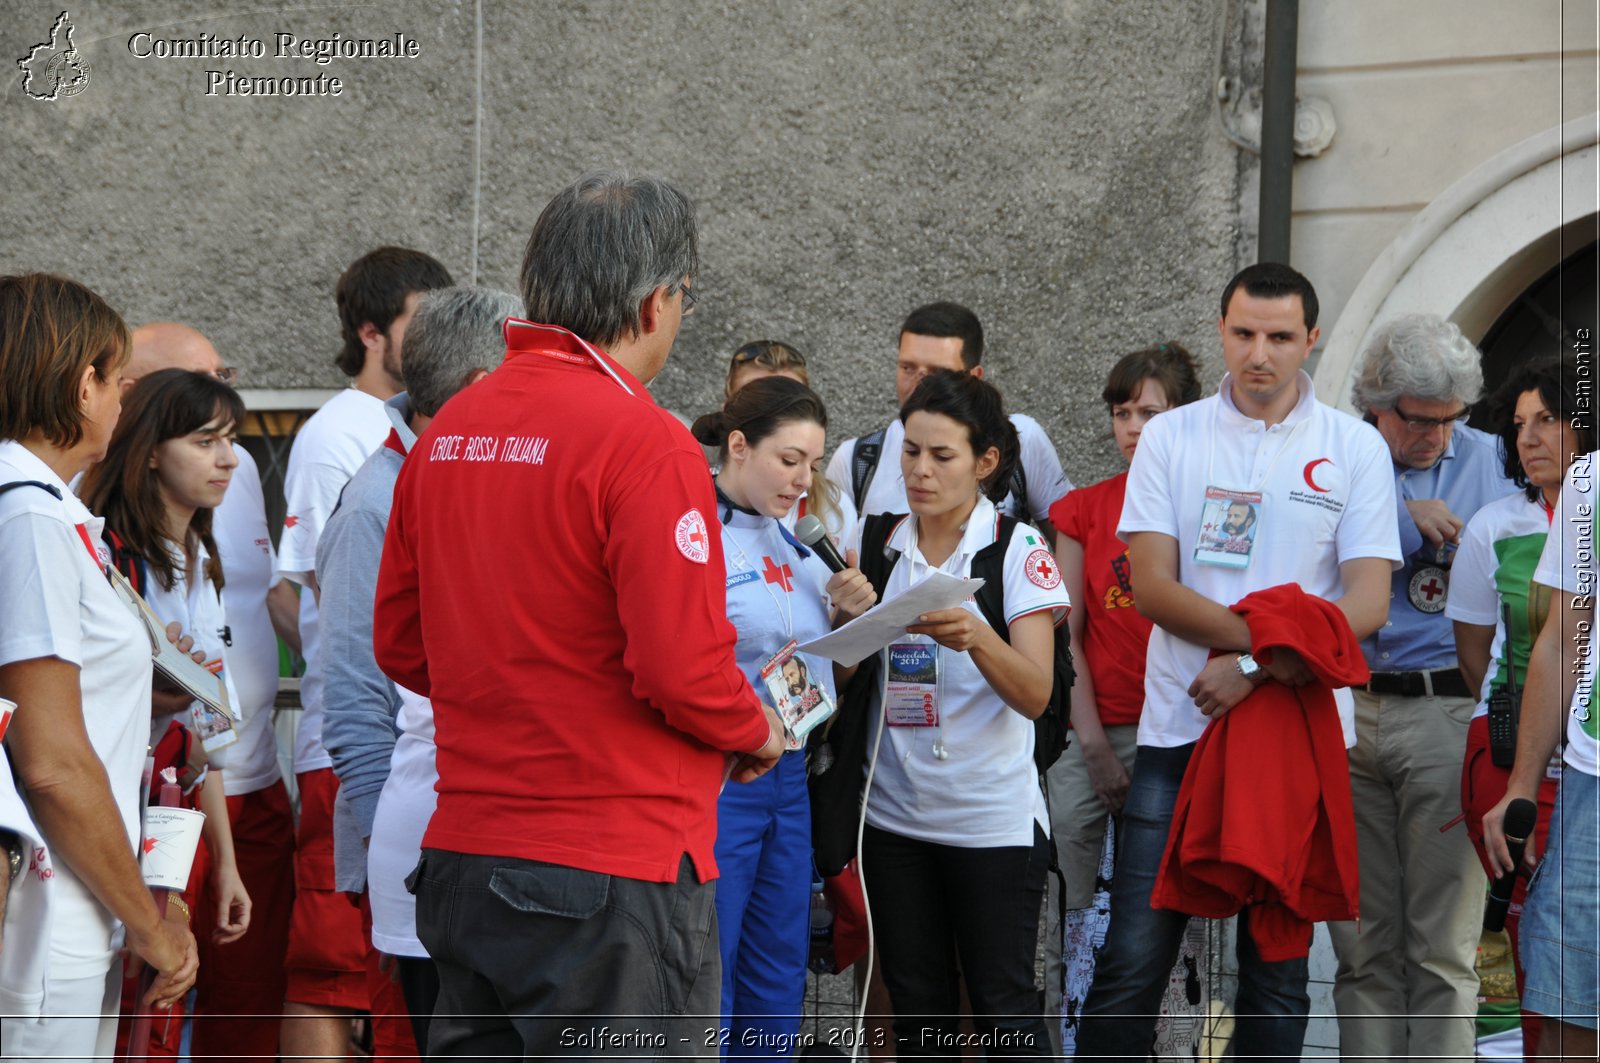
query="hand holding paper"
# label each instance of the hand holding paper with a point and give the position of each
(887, 621)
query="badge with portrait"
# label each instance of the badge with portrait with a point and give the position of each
(911, 685)
(1229, 524)
(801, 700)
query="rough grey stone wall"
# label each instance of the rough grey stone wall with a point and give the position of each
(1055, 165)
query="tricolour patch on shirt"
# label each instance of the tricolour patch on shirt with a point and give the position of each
(1042, 570)
(690, 535)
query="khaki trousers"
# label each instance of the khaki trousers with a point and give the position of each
(1406, 986)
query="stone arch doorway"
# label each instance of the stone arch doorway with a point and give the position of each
(1477, 253)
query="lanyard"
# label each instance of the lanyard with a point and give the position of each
(1216, 429)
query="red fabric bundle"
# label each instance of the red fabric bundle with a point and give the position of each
(1264, 816)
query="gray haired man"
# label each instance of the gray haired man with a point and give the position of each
(1406, 985)
(454, 339)
(551, 581)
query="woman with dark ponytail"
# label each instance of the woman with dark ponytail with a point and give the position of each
(955, 848)
(770, 435)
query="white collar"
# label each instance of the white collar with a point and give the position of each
(32, 467)
(1303, 407)
(982, 528)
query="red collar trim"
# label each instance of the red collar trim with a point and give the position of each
(394, 443)
(552, 341)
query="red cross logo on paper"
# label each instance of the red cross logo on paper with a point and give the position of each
(290, 521)
(1042, 571)
(691, 537)
(149, 845)
(1309, 471)
(782, 575)
(1428, 589)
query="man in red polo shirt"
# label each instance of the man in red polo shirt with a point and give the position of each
(549, 580)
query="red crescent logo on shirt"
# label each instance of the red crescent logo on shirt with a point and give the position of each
(691, 537)
(1311, 467)
(1042, 570)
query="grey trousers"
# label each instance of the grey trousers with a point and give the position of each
(537, 960)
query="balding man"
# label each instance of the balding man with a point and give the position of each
(244, 980)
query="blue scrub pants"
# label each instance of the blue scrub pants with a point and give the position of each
(764, 909)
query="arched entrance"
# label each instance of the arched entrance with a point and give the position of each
(1501, 230)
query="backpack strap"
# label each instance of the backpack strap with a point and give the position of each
(1019, 490)
(863, 460)
(54, 492)
(125, 561)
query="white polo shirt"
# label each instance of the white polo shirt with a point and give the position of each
(886, 487)
(1327, 488)
(327, 452)
(239, 526)
(986, 794)
(1568, 564)
(55, 602)
(197, 607)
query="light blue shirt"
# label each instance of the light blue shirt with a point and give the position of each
(775, 593)
(1418, 636)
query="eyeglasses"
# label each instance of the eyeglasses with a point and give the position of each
(689, 299)
(1422, 425)
(228, 375)
(769, 352)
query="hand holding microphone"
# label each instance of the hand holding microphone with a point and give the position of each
(849, 590)
(1519, 820)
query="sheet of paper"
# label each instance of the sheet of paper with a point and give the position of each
(888, 620)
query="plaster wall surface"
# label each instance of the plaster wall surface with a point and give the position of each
(1055, 165)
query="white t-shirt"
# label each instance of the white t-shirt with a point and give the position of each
(886, 487)
(404, 808)
(986, 794)
(197, 607)
(327, 452)
(1494, 565)
(1568, 564)
(1327, 488)
(239, 526)
(55, 602)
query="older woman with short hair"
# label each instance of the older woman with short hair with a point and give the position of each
(77, 664)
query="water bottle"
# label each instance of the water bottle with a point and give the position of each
(822, 958)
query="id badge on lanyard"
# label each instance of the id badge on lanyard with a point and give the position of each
(911, 685)
(1230, 523)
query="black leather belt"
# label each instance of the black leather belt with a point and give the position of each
(1445, 683)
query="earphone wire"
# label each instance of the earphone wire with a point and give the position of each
(861, 875)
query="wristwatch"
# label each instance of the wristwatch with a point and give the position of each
(12, 844)
(1250, 669)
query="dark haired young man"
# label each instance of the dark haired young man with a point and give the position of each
(937, 336)
(1319, 482)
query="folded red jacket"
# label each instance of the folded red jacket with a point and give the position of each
(1264, 818)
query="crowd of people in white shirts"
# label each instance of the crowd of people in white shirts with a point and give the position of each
(299, 913)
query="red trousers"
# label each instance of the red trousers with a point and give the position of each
(1482, 787)
(239, 995)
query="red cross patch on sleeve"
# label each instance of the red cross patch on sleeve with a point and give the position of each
(691, 537)
(1042, 570)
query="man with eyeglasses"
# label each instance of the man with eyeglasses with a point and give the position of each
(1406, 984)
(241, 992)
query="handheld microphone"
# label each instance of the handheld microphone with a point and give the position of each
(810, 531)
(1520, 817)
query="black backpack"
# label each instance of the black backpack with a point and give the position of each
(837, 757)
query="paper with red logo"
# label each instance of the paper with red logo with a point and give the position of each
(887, 621)
(6, 709)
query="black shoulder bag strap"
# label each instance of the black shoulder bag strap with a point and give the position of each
(869, 448)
